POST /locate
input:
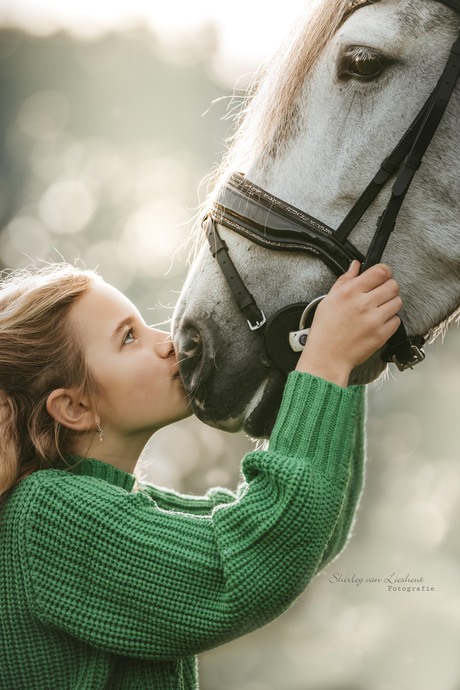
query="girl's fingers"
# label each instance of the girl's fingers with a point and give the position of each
(366, 282)
(383, 293)
(352, 273)
(353, 270)
(374, 276)
(390, 308)
(391, 326)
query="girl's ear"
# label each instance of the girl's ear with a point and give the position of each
(68, 408)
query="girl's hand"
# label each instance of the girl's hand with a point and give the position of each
(354, 320)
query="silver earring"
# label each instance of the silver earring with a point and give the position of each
(100, 432)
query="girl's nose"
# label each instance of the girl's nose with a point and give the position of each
(163, 344)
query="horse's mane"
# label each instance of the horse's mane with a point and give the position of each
(267, 116)
(263, 122)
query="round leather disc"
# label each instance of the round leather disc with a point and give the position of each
(276, 337)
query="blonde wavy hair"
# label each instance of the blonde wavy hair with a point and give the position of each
(39, 352)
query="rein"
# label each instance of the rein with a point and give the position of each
(270, 222)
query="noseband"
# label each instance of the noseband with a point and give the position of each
(262, 218)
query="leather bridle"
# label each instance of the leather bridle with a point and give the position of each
(257, 215)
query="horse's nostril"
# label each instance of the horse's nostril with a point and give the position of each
(190, 342)
(194, 346)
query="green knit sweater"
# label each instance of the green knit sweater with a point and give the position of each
(105, 587)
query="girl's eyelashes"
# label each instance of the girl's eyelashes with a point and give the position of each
(129, 337)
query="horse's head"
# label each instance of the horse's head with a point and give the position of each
(323, 115)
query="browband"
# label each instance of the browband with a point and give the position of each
(268, 221)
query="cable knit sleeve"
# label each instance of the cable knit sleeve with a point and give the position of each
(114, 569)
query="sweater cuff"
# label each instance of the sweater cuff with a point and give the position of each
(316, 418)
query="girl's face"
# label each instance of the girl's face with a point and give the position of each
(135, 365)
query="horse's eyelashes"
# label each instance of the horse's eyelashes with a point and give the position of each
(362, 63)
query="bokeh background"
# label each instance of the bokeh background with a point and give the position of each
(111, 115)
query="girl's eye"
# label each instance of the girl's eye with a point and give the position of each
(129, 337)
(361, 63)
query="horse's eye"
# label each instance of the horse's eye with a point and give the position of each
(360, 63)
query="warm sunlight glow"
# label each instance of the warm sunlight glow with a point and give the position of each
(247, 31)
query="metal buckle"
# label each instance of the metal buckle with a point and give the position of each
(258, 324)
(418, 356)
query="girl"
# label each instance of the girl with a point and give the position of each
(109, 585)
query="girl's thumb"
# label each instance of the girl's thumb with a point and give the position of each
(352, 272)
(353, 269)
